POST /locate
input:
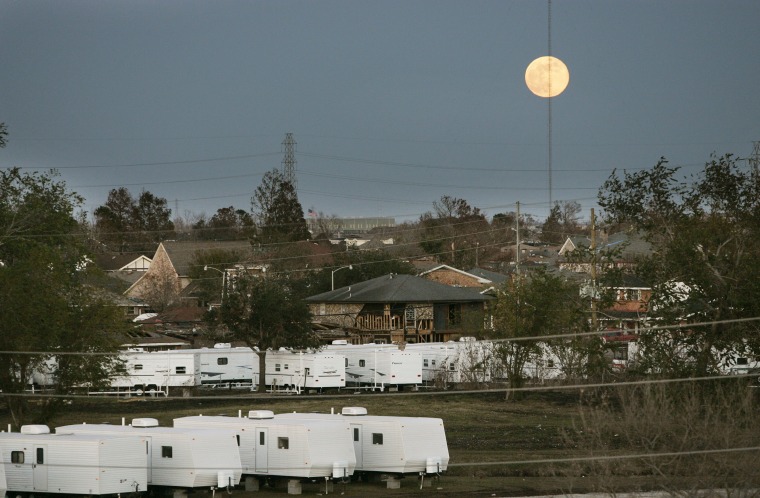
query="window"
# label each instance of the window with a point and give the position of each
(262, 438)
(222, 361)
(166, 452)
(40, 456)
(285, 366)
(452, 367)
(425, 362)
(356, 433)
(282, 443)
(306, 371)
(550, 363)
(180, 370)
(433, 362)
(377, 438)
(237, 436)
(346, 361)
(742, 361)
(276, 367)
(17, 457)
(362, 363)
(138, 366)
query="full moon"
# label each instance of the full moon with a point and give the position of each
(547, 76)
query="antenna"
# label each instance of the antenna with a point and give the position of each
(549, 126)
(289, 160)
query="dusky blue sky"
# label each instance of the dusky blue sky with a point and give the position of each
(392, 103)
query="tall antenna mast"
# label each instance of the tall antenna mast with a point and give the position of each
(289, 160)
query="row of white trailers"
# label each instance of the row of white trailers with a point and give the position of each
(220, 452)
(335, 366)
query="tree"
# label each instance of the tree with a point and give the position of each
(3, 135)
(561, 222)
(277, 212)
(528, 309)
(226, 224)
(705, 266)
(48, 311)
(133, 225)
(266, 312)
(453, 231)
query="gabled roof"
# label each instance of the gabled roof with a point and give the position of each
(481, 280)
(113, 261)
(395, 288)
(181, 253)
(496, 278)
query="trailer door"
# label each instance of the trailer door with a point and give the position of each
(260, 454)
(356, 431)
(40, 473)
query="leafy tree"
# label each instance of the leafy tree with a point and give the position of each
(452, 231)
(265, 312)
(3, 135)
(528, 309)
(226, 224)
(705, 266)
(136, 225)
(561, 222)
(277, 211)
(355, 266)
(47, 309)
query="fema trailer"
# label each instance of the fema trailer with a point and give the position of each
(379, 366)
(466, 360)
(285, 448)
(36, 461)
(390, 445)
(299, 370)
(157, 371)
(178, 458)
(224, 364)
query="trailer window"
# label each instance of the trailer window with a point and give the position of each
(425, 362)
(222, 361)
(276, 367)
(138, 366)
(377, 438)
(262, 438)
(346, 361)
(282, 443)
(433, 362)
(166, 452)
(237, 436)
(362, 363)
(17, 457)
(452, 367)
(40, 456)
(285, 366)
(356, 433)
(180, 370)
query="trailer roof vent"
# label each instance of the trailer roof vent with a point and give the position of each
(144, 422)
(35, 429)
(222, 345)
(340, 342)
(260, 414)
(353, 411)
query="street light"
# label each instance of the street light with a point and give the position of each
(224, 274)
(332, 275)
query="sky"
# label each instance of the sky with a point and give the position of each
(392, 104)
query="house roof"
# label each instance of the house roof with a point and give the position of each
(113, 261)
(494, 277)
(400, 289)
(181, 253)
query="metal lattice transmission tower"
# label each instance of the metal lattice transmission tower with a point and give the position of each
(289, 160)
(754, 158)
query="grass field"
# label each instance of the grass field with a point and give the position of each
(497, 447)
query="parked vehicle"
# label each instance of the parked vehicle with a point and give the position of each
(387, 444)
(379, 366)
(178, 458)
(36, 461)
(285, 448)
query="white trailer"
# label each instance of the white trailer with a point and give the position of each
(453, 362)
(391, 445)
(157, 371)
(298, 370)
(224, 364)
(379, 366)
(285, 448)
(36, 461)
(178, 458)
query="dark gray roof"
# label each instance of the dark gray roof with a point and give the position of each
(182, 253)
(399, 289)
(494, 277)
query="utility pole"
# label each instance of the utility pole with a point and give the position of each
(593, 271)
(289, 160)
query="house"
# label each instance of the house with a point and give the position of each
(454, 277)
(624, 248)
(400, 308)
(169, 272)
